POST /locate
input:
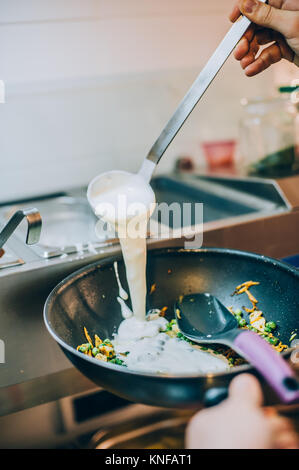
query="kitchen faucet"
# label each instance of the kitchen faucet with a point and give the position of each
(34, 222)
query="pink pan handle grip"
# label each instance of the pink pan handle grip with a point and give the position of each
(270, 364)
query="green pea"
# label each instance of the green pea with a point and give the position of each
(116, 360)
(119, 362)
(267, 329)
(238, 312)
(242, 322)
(268, 339)
(85, 347)
(271, 324)
(95, 351)
(274, 341)
(107, 342)
(180, 335)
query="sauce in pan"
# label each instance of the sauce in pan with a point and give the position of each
(149, 349)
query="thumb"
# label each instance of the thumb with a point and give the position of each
(245, 388)
(263, 14)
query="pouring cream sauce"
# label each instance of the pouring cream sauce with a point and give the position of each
(126, 201)
(117, 197)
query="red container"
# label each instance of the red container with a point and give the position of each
(220, 153)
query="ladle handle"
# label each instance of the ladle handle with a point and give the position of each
(270, 364)
(202, 82)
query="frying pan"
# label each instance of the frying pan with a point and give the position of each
(88, 298)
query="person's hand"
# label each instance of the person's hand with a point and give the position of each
(276, 24)
(240, 422)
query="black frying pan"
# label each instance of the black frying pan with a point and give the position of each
(88, 298)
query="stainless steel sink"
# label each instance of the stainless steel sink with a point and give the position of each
(220, 200)
(68, 225)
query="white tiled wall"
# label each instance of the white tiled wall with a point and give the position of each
(90, 83)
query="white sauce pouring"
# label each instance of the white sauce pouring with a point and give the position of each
(122, 293)
(117, 197)
(126, 201)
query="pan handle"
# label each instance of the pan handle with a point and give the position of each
(270, 364)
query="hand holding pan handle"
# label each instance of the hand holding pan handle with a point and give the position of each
(270, 364)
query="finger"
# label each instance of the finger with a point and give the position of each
(265, 15)
(235, 13)
(250, 32)
(242, 49)
(244, 44)
(246, 388)
(285, 50)
(247, 60)
(250, 56)
(270, 55)
(282, 429)
(280, 424)
(287, 440)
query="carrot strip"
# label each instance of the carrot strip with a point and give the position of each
(88, 337)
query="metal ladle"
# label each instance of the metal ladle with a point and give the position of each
(194, 94)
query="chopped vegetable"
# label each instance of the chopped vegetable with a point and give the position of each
(178, 313)
(84, 348)
(153, 288)
(88, 337)
(95, 351)
(97, 341)
(163, 311)
(101, 357)
(293, 336)
(271, 325)
(107, 350)
(104, 350)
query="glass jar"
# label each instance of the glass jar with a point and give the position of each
(267, 137)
